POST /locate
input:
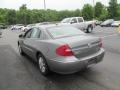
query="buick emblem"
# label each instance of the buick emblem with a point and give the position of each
(89, 45)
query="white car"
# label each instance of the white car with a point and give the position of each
(115, 24)
(25, 28)
(17, 27)
(78, 22)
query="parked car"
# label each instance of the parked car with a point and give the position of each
(17, 27)
(107, 23)
(78, 22)
(98, 22)
(43, 23)
(25, 28)
(115, 24)
(62, 49)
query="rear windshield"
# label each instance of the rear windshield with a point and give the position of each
(59, 32)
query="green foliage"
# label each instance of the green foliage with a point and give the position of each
(98, 9)
(113, 8)
(87, 12)
(3, 13)
(11, 17)
(117, 17)
(27, 16)
(103, 15)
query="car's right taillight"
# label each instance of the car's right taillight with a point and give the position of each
(64, 50)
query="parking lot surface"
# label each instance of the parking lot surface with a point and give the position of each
(21, 73)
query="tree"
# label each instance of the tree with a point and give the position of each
(104, 14)
(11, 17)
(87, 12)
(22, 14)
(118, 11)
(98, 9)
(28, 16)
(77, 13)
(3, 13)
(23, 7)
(112, 9)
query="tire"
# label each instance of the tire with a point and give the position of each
(89, 29)
(20, 50)
(42, 64)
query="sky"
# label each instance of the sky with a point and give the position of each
(50, 4)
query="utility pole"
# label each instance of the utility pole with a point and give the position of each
(44, 10)
(93, 9)
(44, 5)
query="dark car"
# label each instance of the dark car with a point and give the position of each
(107, 23)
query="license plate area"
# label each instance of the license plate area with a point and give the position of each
(92, 61)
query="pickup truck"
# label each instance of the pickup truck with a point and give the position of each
(78, 22)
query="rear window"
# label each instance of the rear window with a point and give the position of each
(59, 32)
(80, 19)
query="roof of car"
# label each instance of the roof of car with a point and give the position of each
(48, 26)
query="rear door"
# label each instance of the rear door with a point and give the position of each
(74, 22)
(29, 42)
(26, 37)
(77, 23)
(81, 24)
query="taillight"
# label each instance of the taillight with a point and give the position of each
(64, 50)
(101, 44)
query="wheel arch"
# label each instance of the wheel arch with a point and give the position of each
(18, 43)
(39, 53)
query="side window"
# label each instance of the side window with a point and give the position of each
(35, 33)
(80, 20)
(74, 20)
(27, 34)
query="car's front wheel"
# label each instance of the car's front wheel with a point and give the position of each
(20, 50)
(43, 67)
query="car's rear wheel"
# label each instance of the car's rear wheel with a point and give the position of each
(20, 50)
(89, 29)
(43, 67)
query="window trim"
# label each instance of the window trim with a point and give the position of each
(38, 35)
(80, 18)
(74, 18)
(30, 30)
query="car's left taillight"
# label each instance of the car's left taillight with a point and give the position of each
(64, 50)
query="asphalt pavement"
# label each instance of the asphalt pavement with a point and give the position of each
(21, 73)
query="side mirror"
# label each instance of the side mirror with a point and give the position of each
(21, 36)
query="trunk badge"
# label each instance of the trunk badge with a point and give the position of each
(89, 45)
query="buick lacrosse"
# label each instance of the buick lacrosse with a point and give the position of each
(62, 49)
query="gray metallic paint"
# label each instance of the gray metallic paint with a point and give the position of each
(47, 46)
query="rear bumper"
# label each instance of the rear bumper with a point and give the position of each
(72, 64)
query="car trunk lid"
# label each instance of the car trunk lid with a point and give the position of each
(82, 45)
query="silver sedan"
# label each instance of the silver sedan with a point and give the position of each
(61, 49)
